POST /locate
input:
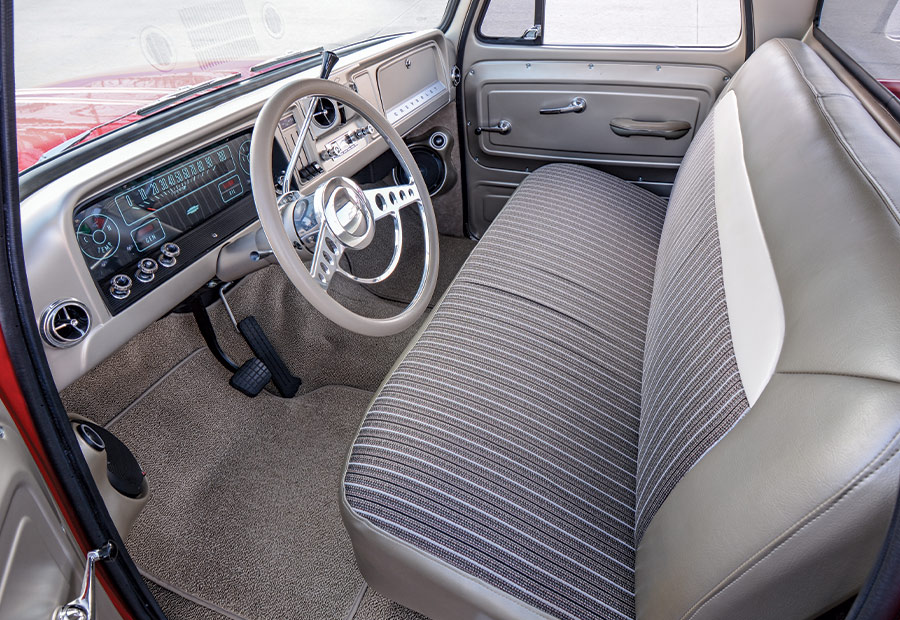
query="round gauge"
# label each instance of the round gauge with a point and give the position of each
(98, 237)
(244, 156)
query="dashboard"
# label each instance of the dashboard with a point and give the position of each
(143, 232)
(123, 239)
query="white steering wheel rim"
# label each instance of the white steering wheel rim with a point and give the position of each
(271, 219)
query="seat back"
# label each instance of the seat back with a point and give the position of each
(770, 414)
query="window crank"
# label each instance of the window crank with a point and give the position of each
(503, 128)
(577, 106)
(82, 608)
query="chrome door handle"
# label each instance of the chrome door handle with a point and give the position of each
(577, 106)
(503, 128)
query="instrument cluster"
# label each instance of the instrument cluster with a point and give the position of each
(140, 233)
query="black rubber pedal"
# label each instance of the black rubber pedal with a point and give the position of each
(286, 383)
(251, 378)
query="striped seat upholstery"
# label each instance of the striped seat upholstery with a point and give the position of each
(506, 441)
(619, 410)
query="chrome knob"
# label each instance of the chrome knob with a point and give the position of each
(120, 286)
(169, 255)
(146, 270)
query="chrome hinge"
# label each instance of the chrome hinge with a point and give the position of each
(532, 33)
(82, 608)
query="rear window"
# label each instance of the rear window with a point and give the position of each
(868, 32)
(645, 23)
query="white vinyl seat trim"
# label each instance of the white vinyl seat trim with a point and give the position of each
(755, 308)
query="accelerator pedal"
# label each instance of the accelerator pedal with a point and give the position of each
(251, 377)
(286, 383)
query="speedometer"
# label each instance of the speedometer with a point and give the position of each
(244, 156)
(98, 237)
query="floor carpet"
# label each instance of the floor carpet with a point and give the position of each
(243, 509)
(243, 519)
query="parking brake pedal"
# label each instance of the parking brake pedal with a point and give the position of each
(251, 377)
(286, 383)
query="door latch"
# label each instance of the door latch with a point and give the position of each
(82, 608)
(503, 128)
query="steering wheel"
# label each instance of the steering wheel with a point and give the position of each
(338, 216)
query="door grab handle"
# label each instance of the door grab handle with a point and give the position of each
(670, 130)
(577, 106)
(503, 128)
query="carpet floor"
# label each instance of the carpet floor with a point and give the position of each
(243, 514)
(243, 519)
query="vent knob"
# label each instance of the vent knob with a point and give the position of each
(65, 323)
(120, 286)
(169, 255)
(146, 270)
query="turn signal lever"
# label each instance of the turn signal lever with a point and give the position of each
(329, 60)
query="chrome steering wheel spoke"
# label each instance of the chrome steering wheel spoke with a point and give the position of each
(326, 258)
(346, 215)
(390, 200)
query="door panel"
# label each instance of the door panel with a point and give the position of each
(40, 564)
(513, 82)
(516, 93)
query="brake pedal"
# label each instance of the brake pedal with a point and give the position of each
(286, 383)
(251, 377)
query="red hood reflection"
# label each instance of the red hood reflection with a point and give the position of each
(47, 116)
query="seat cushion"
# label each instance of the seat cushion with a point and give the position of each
(504, 444)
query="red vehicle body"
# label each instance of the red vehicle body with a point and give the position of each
(47, 116)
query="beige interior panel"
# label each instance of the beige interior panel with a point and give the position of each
(589, 131)
(777, 18)
(40, 563)
(517, 92)
(512, 82)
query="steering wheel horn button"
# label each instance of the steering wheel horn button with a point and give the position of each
(342, 205)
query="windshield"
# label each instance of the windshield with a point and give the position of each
(85, 69)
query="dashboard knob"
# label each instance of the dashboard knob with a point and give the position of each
(170, 252)
(120, 286)
(146, 270)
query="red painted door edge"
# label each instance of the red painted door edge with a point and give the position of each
(892, 85)
(14, 400)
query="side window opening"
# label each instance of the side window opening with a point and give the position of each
(632, 23)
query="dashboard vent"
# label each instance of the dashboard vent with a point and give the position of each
(325, 114)
(65, 323)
